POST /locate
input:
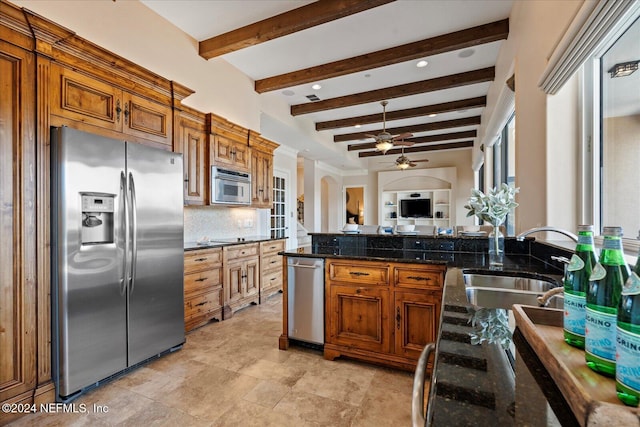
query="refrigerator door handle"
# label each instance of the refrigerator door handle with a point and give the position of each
(125, 220)
(134, 233)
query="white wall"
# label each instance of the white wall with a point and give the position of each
(535, 29)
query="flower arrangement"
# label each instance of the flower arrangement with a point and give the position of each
(494, 206)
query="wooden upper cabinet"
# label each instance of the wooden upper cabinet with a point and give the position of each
(192, 143)
(228, 146)
(261, 170)
(90, 101)
(146, 119)
(79, 97)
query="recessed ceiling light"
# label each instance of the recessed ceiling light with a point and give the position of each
(288, 92)
(432, 115)
(466, 53)
(367, 75)
(421, 64)
(316, 87)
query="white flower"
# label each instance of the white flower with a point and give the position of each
(494, 206)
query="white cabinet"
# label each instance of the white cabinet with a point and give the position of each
(422, 207)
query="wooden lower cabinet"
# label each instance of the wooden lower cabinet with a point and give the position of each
(241, 276)
(270, 268)
(202, 287)
(381, 312)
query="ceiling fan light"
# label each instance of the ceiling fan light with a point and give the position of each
(402, 166)
(384, 146)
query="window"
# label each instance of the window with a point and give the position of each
(504, 164)
(278, 209)
(618, 118)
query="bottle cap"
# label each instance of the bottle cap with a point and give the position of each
(585, 228)
(612, 231)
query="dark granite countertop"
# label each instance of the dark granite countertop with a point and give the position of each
(471, 384)
(217, 243)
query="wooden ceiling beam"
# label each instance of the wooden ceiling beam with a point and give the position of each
(487, 33)
(445, 107)
(438, 83)
(423, 127)
(286, 23)
(434, 147)
(419, 140)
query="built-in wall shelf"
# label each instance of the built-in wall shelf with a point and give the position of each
(417, 207)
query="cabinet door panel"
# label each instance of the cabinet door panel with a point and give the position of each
(252, 276)
(193, 144)
(79, 97)
(416, 321)
(17, 226)
(234, 284)
(147, 119)
(358, 317)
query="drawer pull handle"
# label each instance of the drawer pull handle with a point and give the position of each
(274, 262)
(398, 317)
(358, 273)
(419, 278)
(202, 279)
(201, 259)
(202, 303)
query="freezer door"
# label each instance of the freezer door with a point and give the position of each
(87, 258)
(156, 299)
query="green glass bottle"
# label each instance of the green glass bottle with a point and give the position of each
(628, 340)
(603, 298)
(576, 283)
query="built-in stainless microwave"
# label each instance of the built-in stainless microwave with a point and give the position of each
(230, 187)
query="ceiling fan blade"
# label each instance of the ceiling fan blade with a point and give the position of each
(403, 135)
(368, 135)
(413, 165)
(403, 143)
(416, 161)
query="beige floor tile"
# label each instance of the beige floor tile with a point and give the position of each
(268, 370)
(317, 410)
(384, 407)
(267, 393)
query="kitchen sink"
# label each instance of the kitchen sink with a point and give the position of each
(502, 291)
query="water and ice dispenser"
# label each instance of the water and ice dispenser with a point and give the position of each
(97, 218)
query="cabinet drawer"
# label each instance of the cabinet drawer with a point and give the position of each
(195, 282)
(200, 260)
(370, 273)
(271, 262)
(412, 277)
(203, 303)
(272, 247)
(240, 251)
(272, 279)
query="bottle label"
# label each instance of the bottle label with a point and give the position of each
(585, 239)
(612, 244)
(576, 263)
(600, 334)
(598, 273)
(575, 308)
(627, 359)
(632, 285)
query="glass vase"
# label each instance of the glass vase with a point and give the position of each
(496, 246)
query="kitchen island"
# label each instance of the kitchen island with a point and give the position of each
(470, 384)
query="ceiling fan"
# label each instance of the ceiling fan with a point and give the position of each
(403, 162)
(384, 140)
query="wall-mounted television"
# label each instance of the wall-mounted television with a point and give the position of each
(415, 208)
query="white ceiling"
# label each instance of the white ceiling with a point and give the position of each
(393, 24)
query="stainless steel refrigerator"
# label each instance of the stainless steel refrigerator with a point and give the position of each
(117, 256)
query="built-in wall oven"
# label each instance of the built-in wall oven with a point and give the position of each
(230, 187)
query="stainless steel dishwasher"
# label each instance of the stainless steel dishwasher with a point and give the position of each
(306, 299)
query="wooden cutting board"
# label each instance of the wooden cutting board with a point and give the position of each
(591, 396)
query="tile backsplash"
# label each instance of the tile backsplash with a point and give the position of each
(220, 222)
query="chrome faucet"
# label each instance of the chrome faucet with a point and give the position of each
(522, 235)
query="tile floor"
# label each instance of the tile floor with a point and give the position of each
(231, 373)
